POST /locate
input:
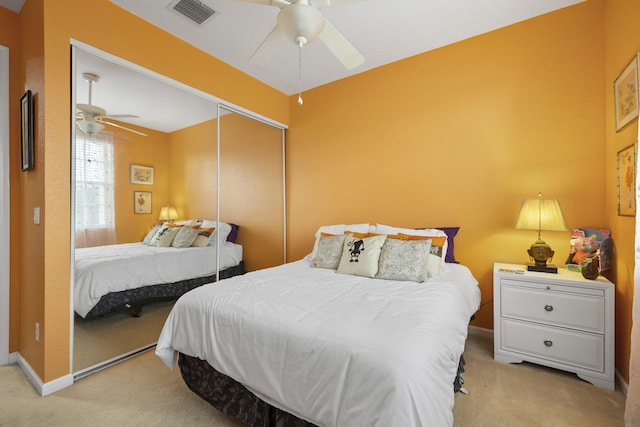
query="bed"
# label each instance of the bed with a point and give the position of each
(302, 345)
(128, 276)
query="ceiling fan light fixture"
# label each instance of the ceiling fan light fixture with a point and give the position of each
(300, 20)
(89, 127)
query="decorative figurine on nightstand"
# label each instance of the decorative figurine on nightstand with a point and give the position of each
(590, 252)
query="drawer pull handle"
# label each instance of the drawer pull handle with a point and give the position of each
(548, 307)
(548, 343)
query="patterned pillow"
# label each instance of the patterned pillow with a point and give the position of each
(185, 237)
(203, 237)
(329, 251)
(149, 237)
(438, 249)
(164, 236)
(360, 255)
(404, 260)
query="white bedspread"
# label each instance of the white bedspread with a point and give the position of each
(101, 270)
(333, 349)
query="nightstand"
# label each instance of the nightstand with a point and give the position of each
(561, 320)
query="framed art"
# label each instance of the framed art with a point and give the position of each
(625, 90)
(141, 175)
(26, 130)
(627, 158)
(142, 202)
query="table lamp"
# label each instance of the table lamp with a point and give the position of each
(168, 214)
(540, 214)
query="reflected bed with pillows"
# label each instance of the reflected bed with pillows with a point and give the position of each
(171, 260)
(368, 329)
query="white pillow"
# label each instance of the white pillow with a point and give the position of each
(224, 229)
(189, 222)
(387, 229)
(360, 255)
(335, 230)
(149, 237)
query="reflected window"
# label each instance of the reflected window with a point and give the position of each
(94, 216)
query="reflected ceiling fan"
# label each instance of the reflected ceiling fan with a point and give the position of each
(93, 117)
(301, 22)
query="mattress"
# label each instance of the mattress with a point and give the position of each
(102, 270)
(329, 348)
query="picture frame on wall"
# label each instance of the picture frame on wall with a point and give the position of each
(26, 130)
(142, 202)
(625, 90)
(142, 175)
(627, 158)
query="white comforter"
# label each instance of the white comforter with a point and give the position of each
(333, 349)
(103, 269)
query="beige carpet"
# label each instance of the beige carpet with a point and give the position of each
(143, 392)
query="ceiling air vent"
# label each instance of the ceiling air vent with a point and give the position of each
(195, 10)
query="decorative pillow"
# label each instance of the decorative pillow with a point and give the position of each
(185, 237)
(329, 251)
(164, 236)
(435, 261)
(334, 230)
(149, 237)
(233, 235)
(360, 255)
(404, 260)
(203, 237)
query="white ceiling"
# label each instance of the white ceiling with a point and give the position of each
(383, 31)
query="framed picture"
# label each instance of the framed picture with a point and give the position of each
(627, 180)
(141, 175)
(625, 90)
(26, 130)
(142, 202)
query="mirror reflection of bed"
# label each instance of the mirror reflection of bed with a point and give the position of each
(246, 191)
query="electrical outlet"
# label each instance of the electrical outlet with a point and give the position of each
(37, 332)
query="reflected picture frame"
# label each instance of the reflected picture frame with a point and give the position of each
(627, 158)
(26, 130)
(142, 202)
(625, 91)
(142, 175)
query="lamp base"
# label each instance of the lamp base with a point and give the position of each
(547, 268)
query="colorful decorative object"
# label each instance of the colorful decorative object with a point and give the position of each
(589, 247)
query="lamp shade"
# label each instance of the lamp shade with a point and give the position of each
(90, 127)
(540, 214)
(168, 213)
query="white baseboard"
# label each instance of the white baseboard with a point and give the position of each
(13, 358)
(43, 389)
(621, 383)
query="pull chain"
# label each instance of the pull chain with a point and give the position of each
(300, 44)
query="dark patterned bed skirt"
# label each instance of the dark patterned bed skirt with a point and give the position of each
(132, 300)
(232, 398)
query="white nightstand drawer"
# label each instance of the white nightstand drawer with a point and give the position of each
(569, 347)
(578, 311)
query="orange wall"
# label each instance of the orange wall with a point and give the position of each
(250, 180)
(622, 43)
(46, 29)
(131, 149)
(458, 137)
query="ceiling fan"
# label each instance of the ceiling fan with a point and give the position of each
(93, 117)
(301, 22)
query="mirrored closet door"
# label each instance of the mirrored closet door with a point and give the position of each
(141, 143)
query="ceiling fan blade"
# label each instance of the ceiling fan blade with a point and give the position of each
(121, 127)
(120, 116)
(341, 48)
(91, 110)
(268, 47)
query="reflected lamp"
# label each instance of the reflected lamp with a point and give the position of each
(540, 214)
(168, 214)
